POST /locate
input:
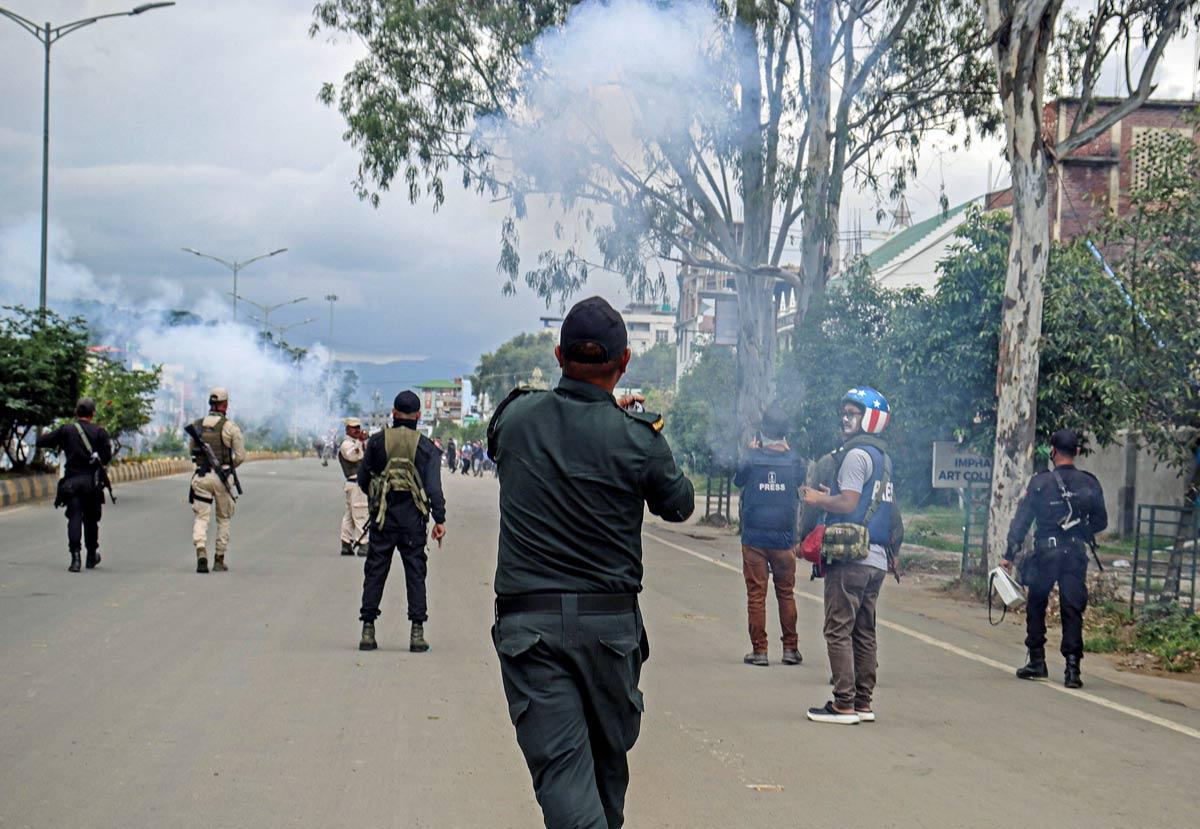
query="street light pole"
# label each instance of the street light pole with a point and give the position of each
(235, 267)
(267, 309)
(48, 35)
(331, 298)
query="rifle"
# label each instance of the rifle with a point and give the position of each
(100, 479)
(211, 460)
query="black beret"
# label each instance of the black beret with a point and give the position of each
(594, 321)
(407, 403)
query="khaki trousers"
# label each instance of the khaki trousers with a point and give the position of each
(209, 492)
(851, 593)
(355, 517)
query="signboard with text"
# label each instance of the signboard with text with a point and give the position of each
(956, 466)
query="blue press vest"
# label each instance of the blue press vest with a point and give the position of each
(770, 498)
(880, 528)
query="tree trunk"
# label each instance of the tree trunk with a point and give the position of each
(755, 353)
(815, 227)
(1021, 325)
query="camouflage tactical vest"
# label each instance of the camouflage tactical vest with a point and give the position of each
(212, 436)
(400, 474)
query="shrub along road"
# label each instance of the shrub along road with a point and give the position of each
(143, 694)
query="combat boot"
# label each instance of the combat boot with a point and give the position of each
(93, 558)
(361, 549)
(347, 548)
(1071, 678)
(219, 563)
(416, 639)
(367, 643)
(202, 565)
(1035, 668)
(74, 568)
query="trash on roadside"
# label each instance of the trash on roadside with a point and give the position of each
(765, 787)
(1122, 564)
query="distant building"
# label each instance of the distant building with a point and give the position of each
(696, 315)
(909, 258)
(649, 324)
(441, 400)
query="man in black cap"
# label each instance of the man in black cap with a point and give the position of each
(1068, 507)
(86, 447)
(577, 468)
(401, 474)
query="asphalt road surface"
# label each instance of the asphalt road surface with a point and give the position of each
(145, 695)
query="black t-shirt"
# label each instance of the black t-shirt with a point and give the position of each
(66, 439)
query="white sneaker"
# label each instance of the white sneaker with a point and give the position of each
(827, 713)
(865, 716)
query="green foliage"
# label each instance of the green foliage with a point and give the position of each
(169, 442)
(343, 384)
(42, 360)
(513, 364)
(124, 397)
(446, 429)
(702, 416)
(655, 369)
(1164, 630)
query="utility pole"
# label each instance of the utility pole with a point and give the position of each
(48, 35)
(331, 298)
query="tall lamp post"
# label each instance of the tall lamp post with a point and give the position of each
(267, 309)
(235, 267)
(48, 35)
(331, 298)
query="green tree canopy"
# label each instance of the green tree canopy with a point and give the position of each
(701, 423)
(654, 369)
(42, 359)
(124, 397)
(513, 364)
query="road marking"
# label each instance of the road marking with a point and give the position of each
(1178, 728)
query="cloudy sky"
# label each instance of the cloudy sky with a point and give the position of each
(198, 126)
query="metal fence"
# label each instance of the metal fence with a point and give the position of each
(1164, 555)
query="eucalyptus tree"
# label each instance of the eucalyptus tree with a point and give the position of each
(1026, 36)
(708, 134)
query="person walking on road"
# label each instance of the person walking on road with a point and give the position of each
(770, 478)
(401, 474)
(354, 520)
(1067, 505)
(208, 489)
(85, 447)
(451, 455)
(855, 553)
(577, 470)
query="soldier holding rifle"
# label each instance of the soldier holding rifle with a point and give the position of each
(217, 450)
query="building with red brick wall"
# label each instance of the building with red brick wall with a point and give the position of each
(1098, 177)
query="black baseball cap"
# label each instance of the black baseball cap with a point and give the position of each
(407, 403)
(593, 321)
(1066, 441)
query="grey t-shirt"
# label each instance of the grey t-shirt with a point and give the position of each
(853, 475)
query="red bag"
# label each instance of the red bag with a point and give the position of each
(810, 547)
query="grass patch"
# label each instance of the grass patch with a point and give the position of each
(1165, 631)
(971, 587)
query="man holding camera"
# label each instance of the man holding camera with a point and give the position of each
(1067, 505)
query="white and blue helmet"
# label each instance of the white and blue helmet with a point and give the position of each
(874, 405)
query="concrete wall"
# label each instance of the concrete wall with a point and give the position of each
(1130, 477)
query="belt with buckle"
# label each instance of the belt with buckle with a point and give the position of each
(553, 602)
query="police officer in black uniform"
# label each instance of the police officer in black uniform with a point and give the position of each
(1067, 505)
(406, 519)
(86, 448)
(577, 470)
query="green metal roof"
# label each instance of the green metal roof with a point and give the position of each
(910, 236)
(436, 385)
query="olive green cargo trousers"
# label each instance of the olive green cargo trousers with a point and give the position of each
(571, 681)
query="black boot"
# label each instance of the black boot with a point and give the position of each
(347, 548)
(367, 643)
(74, 568)
(416, 638)
(1071, 677)
(1036, 667)
(93, 558)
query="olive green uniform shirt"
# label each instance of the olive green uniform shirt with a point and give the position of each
(576, 473)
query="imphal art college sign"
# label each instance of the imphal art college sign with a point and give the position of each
(956, 466)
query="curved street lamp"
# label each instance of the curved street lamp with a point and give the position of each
(235, 267)
(48, 35)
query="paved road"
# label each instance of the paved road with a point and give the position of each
(145, 695)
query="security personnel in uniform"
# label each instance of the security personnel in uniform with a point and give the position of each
(224, 437)
(576, 473)
(84, 445)
(401, 474)
(1067, 505)
(350, 454)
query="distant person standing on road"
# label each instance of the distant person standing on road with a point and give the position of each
(1068, 506)
(770, 477)
(354, 520)
(467, 450)
(84, 446)
(451, 455)
(401, 474)
(577, 471)
(856, 556)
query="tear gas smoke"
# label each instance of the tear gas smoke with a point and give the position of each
(267, 389)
